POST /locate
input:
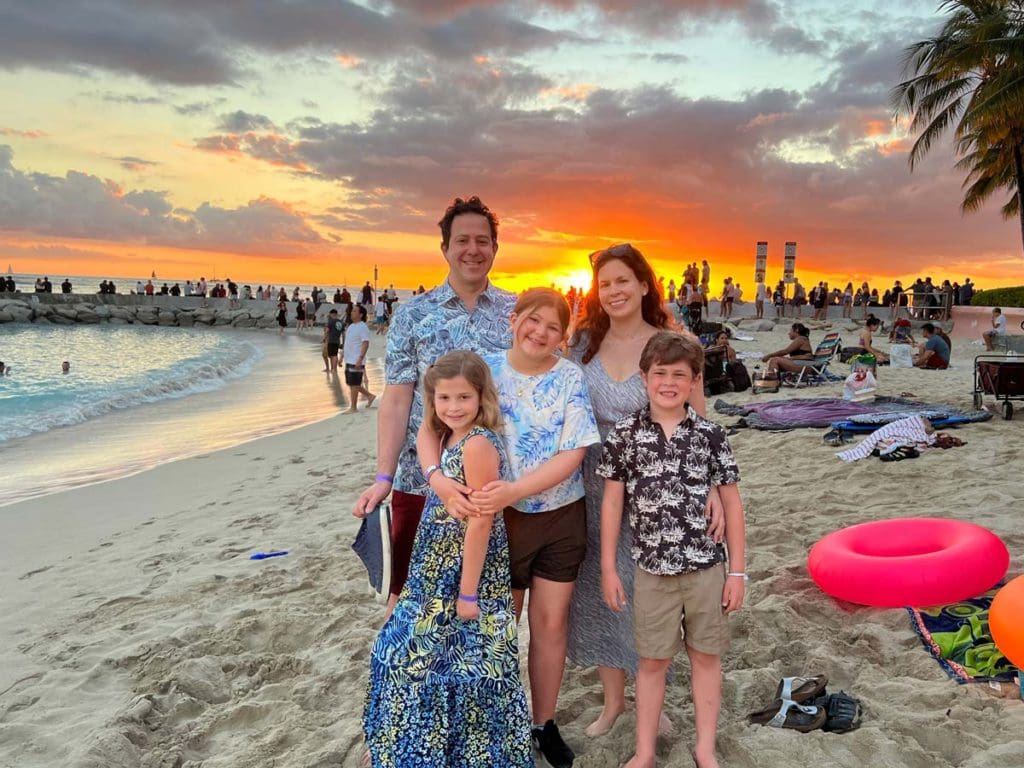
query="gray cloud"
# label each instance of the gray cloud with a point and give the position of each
(126, 98)
(155, 41)
(136, 164)
(240, 122)
(199, 107)
(193, 42)
(80, 205)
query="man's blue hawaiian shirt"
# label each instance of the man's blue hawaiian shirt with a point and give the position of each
(431, 325)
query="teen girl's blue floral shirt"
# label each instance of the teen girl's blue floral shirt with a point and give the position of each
(544, 414)
(432, 325)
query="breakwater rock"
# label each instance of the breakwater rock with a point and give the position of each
(185, 312)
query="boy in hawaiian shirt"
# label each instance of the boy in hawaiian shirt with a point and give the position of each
(660, 464)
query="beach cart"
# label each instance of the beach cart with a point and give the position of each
(1002, 377)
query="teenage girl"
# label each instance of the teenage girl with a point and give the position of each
(444, 672)
(548, 424)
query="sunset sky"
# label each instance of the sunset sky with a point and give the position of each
(305, 141)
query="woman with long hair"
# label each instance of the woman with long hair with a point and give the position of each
(623, 309)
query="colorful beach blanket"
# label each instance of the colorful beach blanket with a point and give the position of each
(822, 412)
(957, 636)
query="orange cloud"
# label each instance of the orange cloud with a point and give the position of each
(578, 92)
(22, 134)
(877, 128)
(348, 61)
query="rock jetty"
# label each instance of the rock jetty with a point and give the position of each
(183, 312)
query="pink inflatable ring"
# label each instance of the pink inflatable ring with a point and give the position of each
(909, 561)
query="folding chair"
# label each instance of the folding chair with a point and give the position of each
(814, 371)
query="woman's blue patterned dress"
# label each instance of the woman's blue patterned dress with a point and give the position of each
(445, 692)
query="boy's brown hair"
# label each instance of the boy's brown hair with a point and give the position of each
(667, 347)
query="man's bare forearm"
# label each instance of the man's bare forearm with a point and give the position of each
(392, 424)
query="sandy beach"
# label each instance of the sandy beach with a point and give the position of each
(138, 634)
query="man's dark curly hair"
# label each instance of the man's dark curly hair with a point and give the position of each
(459, 207)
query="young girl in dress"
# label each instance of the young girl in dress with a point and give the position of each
(548, 424)
(444, 672)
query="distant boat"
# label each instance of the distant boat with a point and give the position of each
(10, 270)
(153, 275)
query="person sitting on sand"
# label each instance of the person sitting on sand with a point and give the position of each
(998, 329)
(65, 367)
(865, 344)
(722, 340)
(5, 370)
(795, 356)
(934, 352)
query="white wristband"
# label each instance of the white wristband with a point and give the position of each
(740, 574)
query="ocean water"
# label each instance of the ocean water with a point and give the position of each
(112, 367)
(138, 397)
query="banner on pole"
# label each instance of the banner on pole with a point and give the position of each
(789, 262)
(761, 261)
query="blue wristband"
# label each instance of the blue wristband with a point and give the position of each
(468, 598)
(382, 478)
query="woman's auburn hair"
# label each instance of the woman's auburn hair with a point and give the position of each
(595, 321)
(471, 367)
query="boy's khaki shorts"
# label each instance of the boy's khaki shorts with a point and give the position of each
(667, 608)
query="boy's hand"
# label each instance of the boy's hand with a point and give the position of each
(467, 611)
(614, 594)
(493, 497)
(732, 595)
(714, 511)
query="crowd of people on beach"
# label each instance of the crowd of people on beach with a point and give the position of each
(922, 300)
(512, 468)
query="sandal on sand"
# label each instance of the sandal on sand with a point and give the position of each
(801, 689)
(903, 452)
(788, 714)
(842, 711)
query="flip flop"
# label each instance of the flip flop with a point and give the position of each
(801, 689)
(788, 714)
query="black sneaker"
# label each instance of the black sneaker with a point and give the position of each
(549, 743)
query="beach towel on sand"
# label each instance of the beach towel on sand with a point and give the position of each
(822, 412)
(909, 431)
(958, 637)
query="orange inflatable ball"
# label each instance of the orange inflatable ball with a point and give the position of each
(1006, 621)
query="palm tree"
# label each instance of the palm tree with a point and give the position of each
(970, 77)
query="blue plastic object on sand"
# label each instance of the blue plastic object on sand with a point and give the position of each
(265, 555)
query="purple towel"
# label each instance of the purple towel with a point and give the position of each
(820, 412)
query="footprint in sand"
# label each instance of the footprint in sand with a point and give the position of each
(37, 571)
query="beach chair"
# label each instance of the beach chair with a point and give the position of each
(814, 371)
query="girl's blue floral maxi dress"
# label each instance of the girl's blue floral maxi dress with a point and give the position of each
(446, 693)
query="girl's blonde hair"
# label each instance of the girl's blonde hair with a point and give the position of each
(535, 298)
(471, 367)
